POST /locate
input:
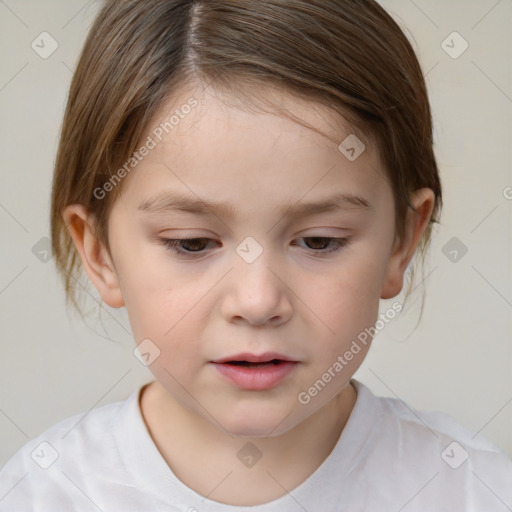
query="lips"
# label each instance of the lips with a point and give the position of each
(247, 364)
(255, 372)
(248, 358)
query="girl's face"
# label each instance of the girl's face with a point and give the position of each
(266, 277)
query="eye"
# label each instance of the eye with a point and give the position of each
(185, 246)
(320, 245)
(324, 244)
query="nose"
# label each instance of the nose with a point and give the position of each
(256, 293)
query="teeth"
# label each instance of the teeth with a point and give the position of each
(259, 365)
(254, 365)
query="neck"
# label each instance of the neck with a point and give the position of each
(286, 461)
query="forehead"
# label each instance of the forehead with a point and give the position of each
(213, 145)
(301, 117)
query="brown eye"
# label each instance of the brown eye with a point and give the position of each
(322, 245)
(185, 245)
(194, 244)
(318, 242)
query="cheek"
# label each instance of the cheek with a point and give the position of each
(163, 313)
(159, 302)
(167, 316)
(348, 300)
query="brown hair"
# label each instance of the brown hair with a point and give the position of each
(349, 55)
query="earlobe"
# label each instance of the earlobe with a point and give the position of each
(403, 251)
(96, 261)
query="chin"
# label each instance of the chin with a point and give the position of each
(253, 424)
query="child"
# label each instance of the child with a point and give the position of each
(249, 178)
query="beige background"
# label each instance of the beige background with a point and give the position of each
(459, 358)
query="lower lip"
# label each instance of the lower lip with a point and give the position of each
(256, 378)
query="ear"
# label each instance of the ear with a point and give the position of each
(403, 251)
(95, 257)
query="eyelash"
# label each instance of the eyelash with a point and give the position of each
(173, 244)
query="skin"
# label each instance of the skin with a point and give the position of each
(290, 300)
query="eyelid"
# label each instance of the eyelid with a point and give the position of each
(173, 245)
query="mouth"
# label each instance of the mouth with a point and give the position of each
(247, 359)
(255, 372)
(249, 364)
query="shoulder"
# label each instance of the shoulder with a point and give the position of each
(433, 427)
(52, 467)
(432, 449)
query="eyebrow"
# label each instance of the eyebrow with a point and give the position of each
(168, 202)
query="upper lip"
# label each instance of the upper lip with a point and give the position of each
(254, 358)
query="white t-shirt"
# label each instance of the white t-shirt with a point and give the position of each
(388, 458)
